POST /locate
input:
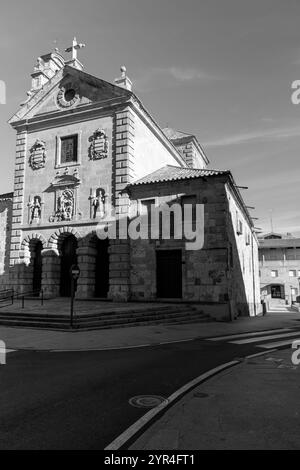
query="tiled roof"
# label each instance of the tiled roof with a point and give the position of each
(279, 243)
(172, 134)
(6, 196)
(174, 173)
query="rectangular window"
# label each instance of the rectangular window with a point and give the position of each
(292, 273)
(298, 273)
(277, 292)
(239, 225)
(68, 149)
(274, 273)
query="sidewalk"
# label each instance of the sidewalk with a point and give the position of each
(254, 405)
(25, 338)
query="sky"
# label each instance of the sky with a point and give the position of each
(219, 69)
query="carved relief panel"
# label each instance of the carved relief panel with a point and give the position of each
(99, 147)
(65, 187)
(37, 157)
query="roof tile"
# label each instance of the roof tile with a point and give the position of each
(174, 173)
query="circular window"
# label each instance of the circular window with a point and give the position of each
(69, 95)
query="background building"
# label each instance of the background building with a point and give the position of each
(279, 264)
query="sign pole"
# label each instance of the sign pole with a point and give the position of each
(74, 273)
(72, 302)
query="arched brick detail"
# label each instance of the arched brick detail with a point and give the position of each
(25, 245)
(88, 240)
(31, 237)
(58, 236)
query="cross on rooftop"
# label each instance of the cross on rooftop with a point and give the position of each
(74, 48)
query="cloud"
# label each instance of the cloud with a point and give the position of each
(157, 76)
(255, 136)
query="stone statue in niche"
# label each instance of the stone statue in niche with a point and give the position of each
(65, 207)
(99, 145)
(35, 208)
(37, 158)
(98, 203)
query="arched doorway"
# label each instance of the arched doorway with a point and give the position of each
(68, 257)
(36, 257)
(102, 268)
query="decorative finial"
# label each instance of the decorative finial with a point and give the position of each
(123, 71)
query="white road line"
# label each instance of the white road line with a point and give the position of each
(264, 338)
(260, 353)
(140, 423)
(244, 335)
(276, 344)
(116, 348)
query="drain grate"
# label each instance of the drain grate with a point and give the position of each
(147, 401)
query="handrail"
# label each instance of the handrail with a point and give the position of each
(11, 294)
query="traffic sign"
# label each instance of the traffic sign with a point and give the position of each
(75, 271)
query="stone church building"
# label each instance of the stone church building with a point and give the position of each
(85, 145)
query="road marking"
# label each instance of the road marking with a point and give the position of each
(276, 344)
(116, 348)
(260, 353)
(243, 335)
(148, 417)
(264, 338)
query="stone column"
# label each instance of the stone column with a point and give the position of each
(86, 260)
(119, 266)
(119, 270)
(51, 272)
(17, 209)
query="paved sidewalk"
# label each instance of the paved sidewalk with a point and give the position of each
(25, 338)
(254, 405)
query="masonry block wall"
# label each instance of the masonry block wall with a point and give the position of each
(206, 273)
(205, 270)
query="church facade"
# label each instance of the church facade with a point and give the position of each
(87, 148)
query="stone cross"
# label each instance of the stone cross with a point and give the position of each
(74, 48)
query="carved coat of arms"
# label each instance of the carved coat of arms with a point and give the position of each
(99, 145)
(37, 157)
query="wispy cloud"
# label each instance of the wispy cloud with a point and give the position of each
(254, 136)
(159, 76)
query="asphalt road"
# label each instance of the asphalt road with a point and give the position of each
(79, 400)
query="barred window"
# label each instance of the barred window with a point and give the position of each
(68, 150)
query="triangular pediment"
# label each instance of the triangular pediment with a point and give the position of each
(68, 89)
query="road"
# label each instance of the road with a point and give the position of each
(80, 400)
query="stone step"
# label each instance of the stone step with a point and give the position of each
(100, 319)
(100, 323)
(91, 317)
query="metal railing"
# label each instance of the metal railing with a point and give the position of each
(9, 295)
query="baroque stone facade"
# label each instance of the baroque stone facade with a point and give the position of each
(86, 147)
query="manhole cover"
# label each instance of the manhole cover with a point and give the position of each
(147, 401)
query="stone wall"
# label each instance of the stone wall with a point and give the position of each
(243, 265)
(207, 275)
